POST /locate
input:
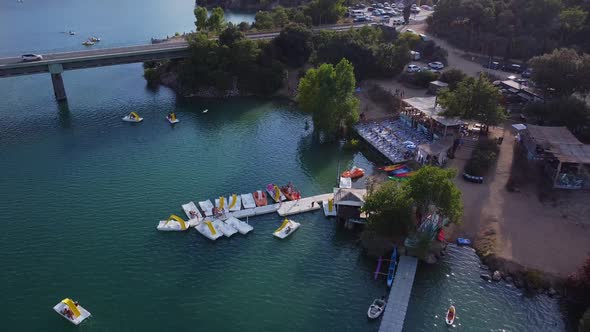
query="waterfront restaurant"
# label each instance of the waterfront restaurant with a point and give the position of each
(566, 160)
(348, 202)
(424, 114)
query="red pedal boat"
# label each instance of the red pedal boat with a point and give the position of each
(354, 173)
(290, 192)
(260, 198)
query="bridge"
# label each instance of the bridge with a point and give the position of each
(57, 63)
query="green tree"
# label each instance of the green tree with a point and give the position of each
(452, 77)
(572, 19)
(433, 186)
(389, 210)
(263, 20)
(279, 17)
(561, 72)
(325, 11)
(293, 45)
(392, 58)
(230, 35)
(584, 325)
(328, 94)
(201, 18)
(566, 111)
(216, 21)
(473, 99)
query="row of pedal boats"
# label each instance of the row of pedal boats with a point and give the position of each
(216, 220)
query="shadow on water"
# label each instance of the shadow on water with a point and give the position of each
(65, 116)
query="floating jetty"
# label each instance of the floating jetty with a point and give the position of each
(303, 205)
(399, 296)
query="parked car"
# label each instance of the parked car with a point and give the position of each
(423, 37)
(514, 68)
(527, 73)
(370, 9)
(415, 10)
(385, 18)
(31, 57)
(492, 65)
(414, 55)
(413, 69)
(436, 65)
(398, 21)
(361, 19)
(380, 5)
(410, 31)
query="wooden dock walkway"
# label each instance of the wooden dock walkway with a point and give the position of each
(302, 205)
(399, 296)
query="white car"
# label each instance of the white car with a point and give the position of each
(31, 57)
(410, 31)
(436, 65)
(413, 69)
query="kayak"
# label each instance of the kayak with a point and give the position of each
(400, 170)
(391, 167)
(450, 315)
(463, 241)
(376, 308)
(354, 173)
(392, 264)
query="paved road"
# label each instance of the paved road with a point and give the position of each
(172, 45)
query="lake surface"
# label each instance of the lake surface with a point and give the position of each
(82, 192)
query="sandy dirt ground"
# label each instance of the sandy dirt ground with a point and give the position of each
(553, 238)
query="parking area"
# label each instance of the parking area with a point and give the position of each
(387, 13)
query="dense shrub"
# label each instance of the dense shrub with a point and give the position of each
(482, 158)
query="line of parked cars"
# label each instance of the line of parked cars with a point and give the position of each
(435, 66)
(510, 67)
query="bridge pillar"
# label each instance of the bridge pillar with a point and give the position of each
(58, 83)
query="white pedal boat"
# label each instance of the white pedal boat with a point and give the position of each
(287, 228)
(207, 229)
(241, 226)
(132, 117)
(173, 224)
(221, 204)
(329, 208)
(192, 212)
(72, 311)
(171, 117)
(272, 189)
(248, 201)
(207, 207)
(234, 203)
(224, 228)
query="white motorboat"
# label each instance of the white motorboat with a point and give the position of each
(329, 207)
(94, 39)
(248, 201)
(221, 204)
(376, 308)
(88, 43)
(224, 228)
(207, 229)
(173, 224)
(72, 32)
(287, 228)
(207, 207)
(235, 203)
(132, 117)
(72, 311)
(171, 117)
(192, 212)
(241, 226)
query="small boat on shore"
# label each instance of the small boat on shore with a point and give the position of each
(450, 318)
(248, 201)
(275, 192)
(171, 117)
(207, 207)
(88, 43)
(173, 224)
(392, 265)
(241, 226)
(290, 192)
(260, 198)
(354, 173)
(207, 229)
(72, 311)
(287, 228)
(224, 228)
(132, 117)
(376, 308)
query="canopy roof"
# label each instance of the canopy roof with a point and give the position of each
(429, 107)
(560, 142)
(349, 196)
(437, 147)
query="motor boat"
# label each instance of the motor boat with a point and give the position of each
(72, 32)
(132, 117)
(224, 228)
(72, 311)
(287, 228)
(260, 198)
(376, 308)
(191, 211)
(354, 173)
(248, 201)
(275, 192)
(94, 39)
(291, 192)
(241, 226)
(450, 318)
(88, 43)
(171, 117)
(207, 229)
(173, 224)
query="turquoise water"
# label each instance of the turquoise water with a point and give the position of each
(82, 192)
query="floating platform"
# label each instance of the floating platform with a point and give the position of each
(303, 205)
(254, 212)
(326, 205)
(399, 296)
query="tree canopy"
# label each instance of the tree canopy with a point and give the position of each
(216, 21)
(567, 111)
(328, 94)
(294, 45)
(561, 72)
(201, 18)
(473, 99)
(325, 11)
(389, 210)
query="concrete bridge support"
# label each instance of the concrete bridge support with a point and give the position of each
(58, 83)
